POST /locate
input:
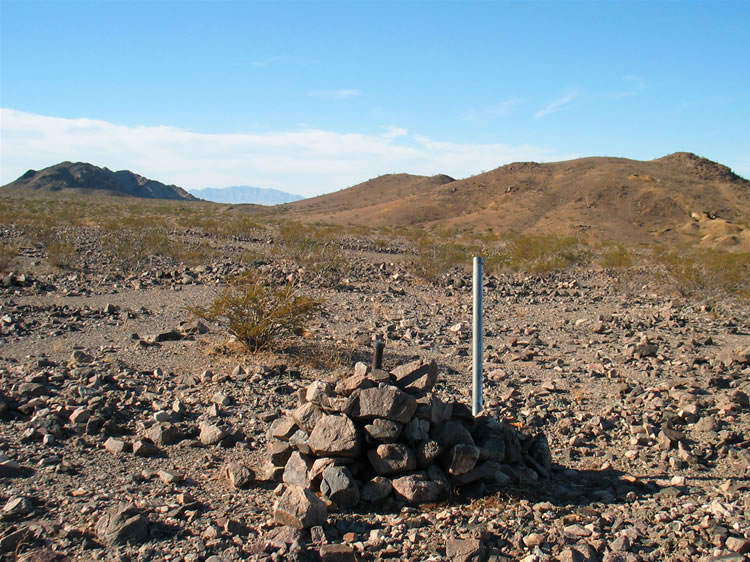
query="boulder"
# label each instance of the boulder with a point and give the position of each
(376, 489)
(335, 435)
(122, 524)
(238, 475)
(347, 386)
(392, 458)
(299, 508)
(306, 416)
(282, 428)
(210, 434)
(164, 434)
(416, 489)
(388, 402)
(339, 486)
(383, 431)
(416, 377)
(297, 469)
(452, 433)
(463, 458)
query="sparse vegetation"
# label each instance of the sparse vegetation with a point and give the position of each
(7, 255)
(539, 253)
(130, 250)
(706, 274)
(436, 257)
(616, 257)
(62, 252)
(258, 313)
(315, 248)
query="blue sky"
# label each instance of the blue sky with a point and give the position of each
(311, 97)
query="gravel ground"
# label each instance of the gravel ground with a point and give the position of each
(643, 398)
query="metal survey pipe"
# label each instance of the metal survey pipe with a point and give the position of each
(476, 380)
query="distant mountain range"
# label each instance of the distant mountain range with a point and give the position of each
(86, 178)
(245, 194)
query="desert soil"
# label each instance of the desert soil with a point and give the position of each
(643, 397)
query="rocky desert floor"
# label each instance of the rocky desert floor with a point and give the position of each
(643, 398)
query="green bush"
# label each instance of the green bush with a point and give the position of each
(258, 313)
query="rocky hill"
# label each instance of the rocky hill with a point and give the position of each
(680, 197)
(84, 177)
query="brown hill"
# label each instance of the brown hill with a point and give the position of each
(85, 178)
(677, 197)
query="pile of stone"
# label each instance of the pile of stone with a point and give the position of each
(385, 437)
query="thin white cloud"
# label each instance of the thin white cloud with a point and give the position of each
(635, 85)
(492, 111)
(556, 105)
(307, 161)
(334, 94)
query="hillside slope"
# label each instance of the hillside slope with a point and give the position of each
(679, 197)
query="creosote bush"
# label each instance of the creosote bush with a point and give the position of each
(616, 257)
(436, 257)
(706, 274)
(314, 247)
(539, 253)
(62, 252)
(258, 313)
(131, 250)
(7, 255)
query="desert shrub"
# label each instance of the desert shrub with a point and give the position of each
(7, 255)
(539, 253)
(39, 233)
(315, 248)
(131, 250)
(190, 253)
(239, 226)
(616, 257)
(258, 313)
(436, 257)
(62, 252)
(706, 274)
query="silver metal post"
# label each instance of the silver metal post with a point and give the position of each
(476, 390)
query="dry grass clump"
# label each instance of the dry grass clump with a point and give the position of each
(258, 313)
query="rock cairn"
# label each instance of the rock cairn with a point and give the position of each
(380, 437)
